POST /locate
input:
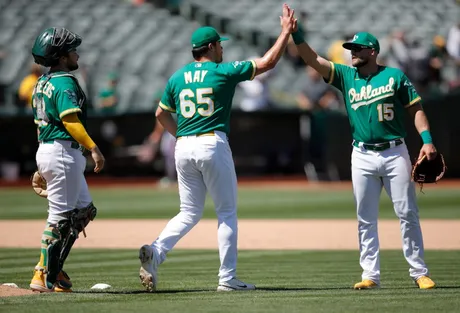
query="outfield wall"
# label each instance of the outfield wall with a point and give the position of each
(263, 143)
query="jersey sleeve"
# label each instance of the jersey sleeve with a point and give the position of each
(239, 71)
(167, 100)
(66, 98)
(406, 92)
(338, 75)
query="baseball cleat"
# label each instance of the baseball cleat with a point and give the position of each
(148, 270)
(235, 284)
(63, 283)
(39, 282)
(366, 284)
(424, 282)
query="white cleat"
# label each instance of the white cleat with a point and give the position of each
(148, 271)
(235, 285)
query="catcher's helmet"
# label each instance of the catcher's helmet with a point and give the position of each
(53, 43)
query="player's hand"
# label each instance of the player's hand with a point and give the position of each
(98, 158)
(427, 150)
(287, 21)
(147, 152)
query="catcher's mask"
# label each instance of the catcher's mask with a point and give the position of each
(54, 43)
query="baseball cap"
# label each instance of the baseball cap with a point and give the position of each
(363, 39)
(204, 35)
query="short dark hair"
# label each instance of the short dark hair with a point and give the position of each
(201, 51)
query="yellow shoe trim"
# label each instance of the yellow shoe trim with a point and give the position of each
(38, 282)
(365, 284)
(425, 282)
(59, 289)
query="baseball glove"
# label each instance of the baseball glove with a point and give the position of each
(39, 184)
(426, 172)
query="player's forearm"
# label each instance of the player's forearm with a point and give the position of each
(421, 123)
(166, 120)
(156, 134)
(310, 57)
(77, 131)
(272, 56)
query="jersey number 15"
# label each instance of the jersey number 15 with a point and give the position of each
(385, 112)
(188, 107)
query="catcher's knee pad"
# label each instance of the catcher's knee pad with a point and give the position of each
(56, 240)
(83, 216)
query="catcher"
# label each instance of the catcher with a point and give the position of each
(59, 109)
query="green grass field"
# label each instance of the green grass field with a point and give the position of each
(287, 281)
(145, 202)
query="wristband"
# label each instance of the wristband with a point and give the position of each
(298, 37)
(426, 137)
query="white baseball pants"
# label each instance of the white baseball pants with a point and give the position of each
(63, 169)
(204, 163)
(391, 169)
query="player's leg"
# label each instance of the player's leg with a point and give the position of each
(367, 187)
(401, 190)
(167, 148)
(81, 216)
(218, 169)
(58, 165)
(192, 194)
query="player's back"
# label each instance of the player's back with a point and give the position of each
(201, 94)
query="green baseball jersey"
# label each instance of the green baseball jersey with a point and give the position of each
(375, 104)
(201, 94)
(56, 95)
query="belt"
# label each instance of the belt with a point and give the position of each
(73, 144)
(378, 146)
(211, 133)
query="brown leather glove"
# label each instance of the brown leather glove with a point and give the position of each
(426, 172)
(39, 184)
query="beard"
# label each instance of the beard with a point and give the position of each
(73, 67)
(359, 62)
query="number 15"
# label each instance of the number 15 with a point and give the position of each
(385, 111)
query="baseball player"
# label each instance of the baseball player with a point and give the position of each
(201, 94)
(160, 139)
(376, 99)
(59, 110)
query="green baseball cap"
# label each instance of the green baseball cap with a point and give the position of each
(363, 40)
(204, 35)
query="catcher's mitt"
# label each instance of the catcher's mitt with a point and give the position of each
(425, 172)
(39, 184)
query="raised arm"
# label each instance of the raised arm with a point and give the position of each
(272, 56)
(310, 57)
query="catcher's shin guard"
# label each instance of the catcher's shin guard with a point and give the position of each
(79, 219)
(57, 239)
(67, 244)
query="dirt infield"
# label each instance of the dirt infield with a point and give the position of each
(252, 234)
(6, 291)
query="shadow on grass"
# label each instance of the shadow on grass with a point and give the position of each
(173, 291)
(447, 287)
(302, 288)
(133, 292)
